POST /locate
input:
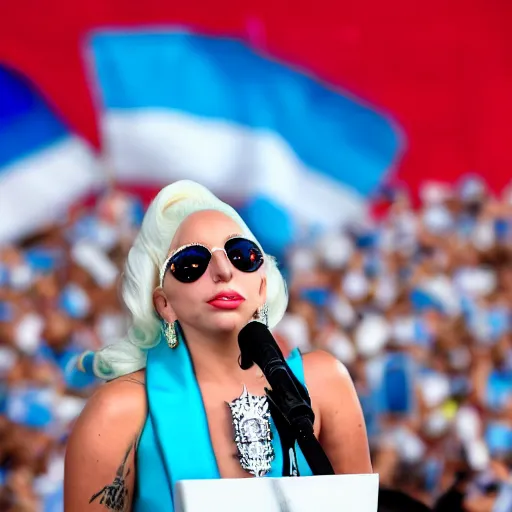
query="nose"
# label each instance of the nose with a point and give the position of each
(220, 267)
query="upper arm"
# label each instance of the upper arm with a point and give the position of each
(100, 455)
(342, 428)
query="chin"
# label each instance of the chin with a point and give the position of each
(227, 323)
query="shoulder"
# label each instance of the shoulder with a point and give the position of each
(342, 433)
(117, 405)
(124, 395)
(100, 453)
(330, 384)
(322, 370)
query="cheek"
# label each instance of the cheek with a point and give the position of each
(187, 296)
(251, 285)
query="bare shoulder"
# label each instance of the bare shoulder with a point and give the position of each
(124, 397)
(323, 371)
(342, 431)
(100, 454)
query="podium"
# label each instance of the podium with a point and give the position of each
(347, 493)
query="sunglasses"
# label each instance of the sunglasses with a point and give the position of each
(188, 263)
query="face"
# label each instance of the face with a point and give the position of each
(193, 303)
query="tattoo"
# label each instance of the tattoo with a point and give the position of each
(115, 495)
(132, 379)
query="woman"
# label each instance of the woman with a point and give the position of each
(194, 277)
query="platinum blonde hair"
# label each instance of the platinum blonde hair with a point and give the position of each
(171, 206)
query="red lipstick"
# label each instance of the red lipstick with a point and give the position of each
(228, 299)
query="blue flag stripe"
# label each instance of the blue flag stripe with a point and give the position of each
(223, 79)
(27, 124)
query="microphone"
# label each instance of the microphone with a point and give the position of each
(287, 396)
(257, 345)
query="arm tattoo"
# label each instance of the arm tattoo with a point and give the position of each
(115, 496)
(132, 379)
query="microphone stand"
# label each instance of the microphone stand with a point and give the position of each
(289, 400)
(294, 418)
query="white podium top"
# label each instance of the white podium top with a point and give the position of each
(347, 493)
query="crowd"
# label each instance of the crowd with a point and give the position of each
(58, 297)
(417, 305)
(415, 302)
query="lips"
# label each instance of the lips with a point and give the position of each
(228, 299)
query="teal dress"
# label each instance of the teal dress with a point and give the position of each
(175, 443)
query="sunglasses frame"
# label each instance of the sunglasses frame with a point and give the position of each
(164, 267)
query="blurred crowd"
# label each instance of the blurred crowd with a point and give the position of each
(415, 301)
(58, 297)
(416, 304)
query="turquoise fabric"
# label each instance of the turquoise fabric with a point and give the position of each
(175, 443)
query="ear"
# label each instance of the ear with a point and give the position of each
(162, 306)
(263, 290)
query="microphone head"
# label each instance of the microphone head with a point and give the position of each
(255, 340)
(247, 338)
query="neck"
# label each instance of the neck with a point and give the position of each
(214, 357)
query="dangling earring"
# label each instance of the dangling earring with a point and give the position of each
(170, 334)
(262, 314)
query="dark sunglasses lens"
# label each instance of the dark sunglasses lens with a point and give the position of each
(244, 254)
(190, 264)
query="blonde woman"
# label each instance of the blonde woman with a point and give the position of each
(194, 277)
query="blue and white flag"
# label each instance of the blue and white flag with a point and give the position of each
(43, 167)
(172, 105)
(180, 105)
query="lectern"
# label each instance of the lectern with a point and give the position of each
(346, 493)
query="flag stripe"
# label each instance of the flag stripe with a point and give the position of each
(26, 122)
(233, 162)
(224, 80)
(37, 190)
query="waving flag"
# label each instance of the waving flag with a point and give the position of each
(180, 105)
(43, 167)
(448, 87)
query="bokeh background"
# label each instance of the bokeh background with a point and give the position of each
(366, 143)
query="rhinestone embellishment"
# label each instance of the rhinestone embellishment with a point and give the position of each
(253, 437)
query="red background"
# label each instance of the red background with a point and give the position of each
(442, 68)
